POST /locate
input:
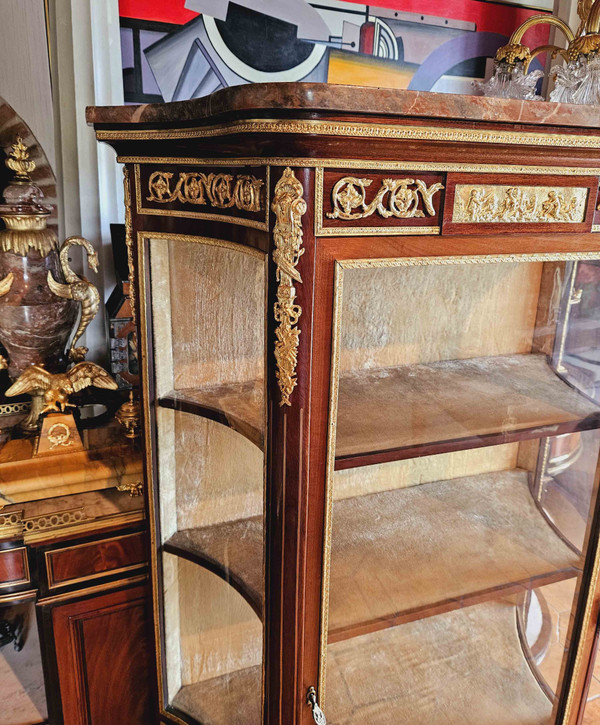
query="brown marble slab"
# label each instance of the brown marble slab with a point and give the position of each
(327, 97)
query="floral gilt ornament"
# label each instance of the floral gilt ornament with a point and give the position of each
(19, 161)
(577, 81)
(288, 206)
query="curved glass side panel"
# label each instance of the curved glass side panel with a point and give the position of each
(591, 708)
(207, 343)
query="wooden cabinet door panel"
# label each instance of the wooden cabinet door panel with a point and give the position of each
(105, 659)
(83, 562)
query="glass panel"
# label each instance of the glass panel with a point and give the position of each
(591, 709)
(21, 675)
(208, 320)
(581, 357)
(463, 488)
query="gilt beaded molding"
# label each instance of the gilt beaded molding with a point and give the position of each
(378, 164)
(359, 130)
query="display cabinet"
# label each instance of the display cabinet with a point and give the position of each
(370, 345)
(75, 602)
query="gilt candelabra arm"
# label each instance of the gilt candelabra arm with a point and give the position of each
(592, 24)
(553, 49)
(512, 77)
(514, 51)
(578, 81)
(587, 42)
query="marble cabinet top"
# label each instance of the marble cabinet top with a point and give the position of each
(258, 98)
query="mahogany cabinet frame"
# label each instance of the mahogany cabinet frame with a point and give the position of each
(308, 127)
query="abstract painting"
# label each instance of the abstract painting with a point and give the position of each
(185, 49)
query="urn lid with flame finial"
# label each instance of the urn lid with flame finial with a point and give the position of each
(23, 212)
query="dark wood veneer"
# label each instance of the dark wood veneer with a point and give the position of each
(296, 440)
(105, 653)
(84, 562)
(14, 568)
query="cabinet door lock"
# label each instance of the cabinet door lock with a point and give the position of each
(318, 714)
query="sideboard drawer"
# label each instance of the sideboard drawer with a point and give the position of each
(14, 568)
(84, 562)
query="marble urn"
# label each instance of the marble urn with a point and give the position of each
(35, 324)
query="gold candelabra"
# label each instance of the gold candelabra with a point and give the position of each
(578, 81)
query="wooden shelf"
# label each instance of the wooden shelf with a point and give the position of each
(465, 666)
(405, 554)
(416, 410)
(233, 550)
(236, 405)
(388, 414)
(232, 699)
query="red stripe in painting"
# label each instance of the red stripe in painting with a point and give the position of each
(164, 11)
(487, 16)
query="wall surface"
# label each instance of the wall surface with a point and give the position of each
(25, 78)
(57, 57)
(85, 45)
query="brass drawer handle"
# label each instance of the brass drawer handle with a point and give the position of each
(318, 714)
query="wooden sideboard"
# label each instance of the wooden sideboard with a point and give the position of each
(74, 576)
(369, 355)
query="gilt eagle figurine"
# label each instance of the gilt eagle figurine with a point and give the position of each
(54, 389)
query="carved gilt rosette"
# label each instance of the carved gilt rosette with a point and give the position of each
(288, 206)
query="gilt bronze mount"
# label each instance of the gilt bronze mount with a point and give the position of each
(577, 81)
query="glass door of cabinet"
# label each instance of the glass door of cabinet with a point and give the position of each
(462, 485)
(591, 704)
(206, 340)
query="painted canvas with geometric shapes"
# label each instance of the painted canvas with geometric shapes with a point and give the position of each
(183, 49)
